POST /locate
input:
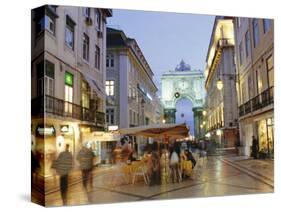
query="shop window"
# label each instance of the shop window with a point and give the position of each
(266, 136)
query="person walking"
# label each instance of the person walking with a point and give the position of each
(255, 147)
(85, 158)
(174, 164)
(63, 166)
(154, 166)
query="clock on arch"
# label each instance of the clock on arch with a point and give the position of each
(177, 94)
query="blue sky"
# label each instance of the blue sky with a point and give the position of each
(165, 38)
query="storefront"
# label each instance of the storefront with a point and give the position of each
(49, 140)
(102, 144)
(266, 137)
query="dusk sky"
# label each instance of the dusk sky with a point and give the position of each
(165, 38)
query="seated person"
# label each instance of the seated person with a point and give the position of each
(190, 157)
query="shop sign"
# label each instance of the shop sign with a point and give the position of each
(45, 130)
(64, 128)
(112, 127)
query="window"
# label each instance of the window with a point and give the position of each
(97, 58)
(250, 87)
(46, 23)
(45, 78)
(109, 87)
(131, 116)
(98, 20)
(110, 61)
(87, 12)
(258, 81)
(238, 22)
(247, 43)
(86, 44)
(85, 95)
(69, 32)
(110, 116)
(241, 53)
(270, 70)
(68, 92)
(255, 32)
(266, 25)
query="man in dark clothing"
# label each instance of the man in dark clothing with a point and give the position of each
(85, 158)
(63, 166)
(255, 147)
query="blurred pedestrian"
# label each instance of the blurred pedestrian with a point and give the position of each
(255, 147)
(154, 169)
(175, 169)
(63, 166)
(85, 158)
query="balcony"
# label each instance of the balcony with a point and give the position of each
(59, 107)
(260, 101)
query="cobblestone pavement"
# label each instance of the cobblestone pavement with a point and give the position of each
(216, 177)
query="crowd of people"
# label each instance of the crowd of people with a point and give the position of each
(163, 163)
(163, 160)
(65, 163)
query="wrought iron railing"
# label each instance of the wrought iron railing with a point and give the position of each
(59, 107)
(262, 100)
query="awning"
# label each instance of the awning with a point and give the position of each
(94, 86)
(158, 130)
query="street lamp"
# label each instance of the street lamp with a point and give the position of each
(219, 84)
(204, 112)
(163, 121)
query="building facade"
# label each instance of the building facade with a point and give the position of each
(184, 83)
(131, 92)
(68, 78)
(221, 101)
(255, 68)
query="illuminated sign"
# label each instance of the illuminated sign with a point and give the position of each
(45, 131)
(64, 128)
(68, 79)
(113, 127)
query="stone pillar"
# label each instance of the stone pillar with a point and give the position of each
(170, 115)
(198, 120)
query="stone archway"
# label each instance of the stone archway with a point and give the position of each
(183, 83)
